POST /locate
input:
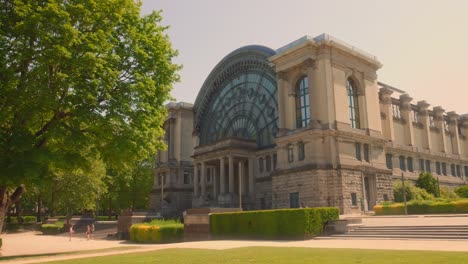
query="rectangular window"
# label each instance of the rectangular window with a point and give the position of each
(274, 161)
(466, 171)
(260, 164)
(186, 177)
(388, 158)
(458, 171)
(421, 165)
(290, 153)
(428, 165)
(402, 163)
(300, 150)
(444, 168)
(385, 197)
(409, 162)
(438, 171)
(294, 200)
(353, 199)
(268, 163)
(358, 151)
(366, 152)
(452, 169)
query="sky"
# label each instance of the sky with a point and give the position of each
(423, 45)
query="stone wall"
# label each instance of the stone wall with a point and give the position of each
(263, 193)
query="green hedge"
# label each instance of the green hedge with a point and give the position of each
(52, 229)
(272, 224)
(424, 207)
(28, 219)
(157, 231)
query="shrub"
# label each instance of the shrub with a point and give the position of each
(427, 182)
(157, 231)
(412, 192)
(462, 191)
(448, 194)
(272, 224)
(437, 206)
(52, 229)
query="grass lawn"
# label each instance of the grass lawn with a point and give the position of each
(272, 255)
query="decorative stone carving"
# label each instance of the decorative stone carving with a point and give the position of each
(423, 108)
(405, 102)
(385, 95)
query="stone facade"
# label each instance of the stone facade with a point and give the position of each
(306, 125)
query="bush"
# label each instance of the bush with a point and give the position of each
(52, 229)
(437, 206)
(157, 231)
(462, 191)
(448, 194)
(427, 182)
(272, 224)
(412, 192)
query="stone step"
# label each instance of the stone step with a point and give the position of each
(416, 227)
(399, 236)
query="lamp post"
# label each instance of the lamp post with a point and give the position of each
(240, 183)
(162, 191)
(404, 192)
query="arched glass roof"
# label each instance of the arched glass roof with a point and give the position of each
(239, 99)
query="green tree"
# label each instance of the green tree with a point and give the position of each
(79, 75)
(462, 191)
(427, 182)
(412, 192)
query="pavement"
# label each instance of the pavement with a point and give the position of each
(33, 243)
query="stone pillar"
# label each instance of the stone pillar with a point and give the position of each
(241, 178)
(281, 77)
(172, 139)
(290, 109)
(385, 96)
(251, 176)
(424, 116)
(231, 174)
(405, 109)
(440, 124)
(195, 180)
(215, 182)
(453, 127)
(222, 177)
(203, 179)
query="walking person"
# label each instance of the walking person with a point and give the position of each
(71, 231)
(88, 232)
(92, 230)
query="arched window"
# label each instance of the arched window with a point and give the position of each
(302, 103)
(353, 104)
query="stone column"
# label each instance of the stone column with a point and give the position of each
(385, 96)
(281, 77)
(215, 182)
(203, 179)
(440, 124)
(231, 174)
(241, 178)
(222, 177)
(172, 139)
(453, 127)
(405, 109)
(195, 180)
(251, 176)
(424, 116)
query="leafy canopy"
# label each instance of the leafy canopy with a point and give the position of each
(80, 80)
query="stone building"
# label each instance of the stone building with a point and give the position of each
(306, 125)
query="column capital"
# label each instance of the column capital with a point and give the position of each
(405, 101)
(452, 115)
(438, 113)
(385, 95)
(281, 75)
(309, 63)
(423, 108)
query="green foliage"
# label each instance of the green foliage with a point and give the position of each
(28, 219)
(448, 193)
(52, 229)
(437, 206)
(427, 182)
(462, 191)
(157, 231)
(412, 192)
(272, 224)
(81, 81)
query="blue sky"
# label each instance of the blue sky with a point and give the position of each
(423, 45)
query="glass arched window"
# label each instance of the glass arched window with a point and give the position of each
(302, 103)
(353, 104)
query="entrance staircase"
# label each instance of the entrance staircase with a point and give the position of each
(443, 228)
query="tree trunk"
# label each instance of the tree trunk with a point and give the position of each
(110, 207)
(39, 208)
(52, 204)
(19, 212)
(6, 201)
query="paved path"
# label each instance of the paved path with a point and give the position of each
(32, 243)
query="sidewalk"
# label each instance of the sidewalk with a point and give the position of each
(31, 243)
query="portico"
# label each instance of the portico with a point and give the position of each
(224, 174)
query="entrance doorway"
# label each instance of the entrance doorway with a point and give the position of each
(370, 191)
